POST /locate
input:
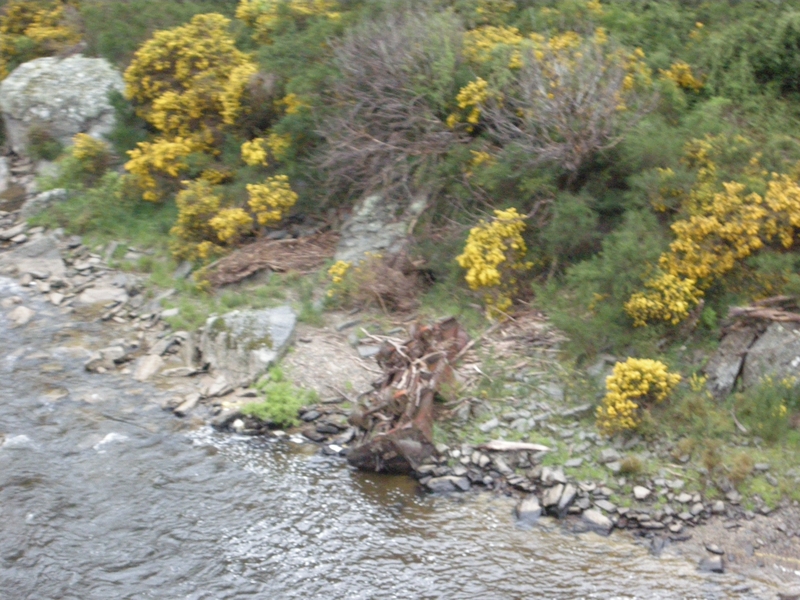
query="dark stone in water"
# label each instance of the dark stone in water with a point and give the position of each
(713, 564)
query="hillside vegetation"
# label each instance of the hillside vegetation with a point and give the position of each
(628, 166)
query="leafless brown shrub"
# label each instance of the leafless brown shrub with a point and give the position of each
(387, 129)
(561, 106)
(391, 283)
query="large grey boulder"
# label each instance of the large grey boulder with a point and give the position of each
(377, 226)
(63, 96)
(244, 344)
(776, 354)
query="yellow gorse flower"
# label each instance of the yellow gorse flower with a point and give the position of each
(254, 153)
(494, 253)
(263, 15)
(270, 200)
(38, 27)
(632, 384)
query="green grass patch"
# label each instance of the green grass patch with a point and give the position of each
(281, 400)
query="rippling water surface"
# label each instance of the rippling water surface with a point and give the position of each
(103, 495)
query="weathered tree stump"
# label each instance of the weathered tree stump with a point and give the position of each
(396, 421)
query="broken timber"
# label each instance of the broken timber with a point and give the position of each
(396, 421)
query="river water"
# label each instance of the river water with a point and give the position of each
(103, 495)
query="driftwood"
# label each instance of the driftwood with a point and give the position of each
(777, 308)
(504, 446)
(396, 420)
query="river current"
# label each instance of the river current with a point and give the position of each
(103, 496)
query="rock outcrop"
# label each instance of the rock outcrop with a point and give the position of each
(62, 96)
(243, 344)
(775, 354)
(377, 226)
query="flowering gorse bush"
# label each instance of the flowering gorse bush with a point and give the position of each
(157, 166)
(669, 298)
(188, 83)
(493, 256)
(337, 273)
(92, 155)
(263, 16)
(270, 200)
(254, 153)
(205, 227)
(681, 74)
(194, 236)
(31, 29)
(722, 227)
(634, 384)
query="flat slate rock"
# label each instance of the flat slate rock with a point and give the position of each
(244, 344)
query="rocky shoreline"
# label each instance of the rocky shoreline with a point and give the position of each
(80, 283)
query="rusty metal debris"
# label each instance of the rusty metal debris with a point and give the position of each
(396, 420)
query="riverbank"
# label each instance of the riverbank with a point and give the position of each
(518, 392)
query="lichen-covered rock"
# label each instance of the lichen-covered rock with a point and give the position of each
(776, 354)
(725, 364)
(62, 96)
(243, 344)
(377, 226)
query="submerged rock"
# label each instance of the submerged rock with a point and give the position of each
(245, 344)
(529, 509)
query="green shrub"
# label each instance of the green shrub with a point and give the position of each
(42, 145)
(572, 231)
(587, 302)
(115, 29)
(281, 400)
(108, 212)
(767, 407)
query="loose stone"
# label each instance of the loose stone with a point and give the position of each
(640, 492)
(190, 401)
(712, 564)
(529, 510)
(147, 367)
(21, 316)
(597, 521)
(609, 455)
(448, 483)
(552, 496)
(607, 506)
(567, 497)
(489, 425)
(714, 549)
